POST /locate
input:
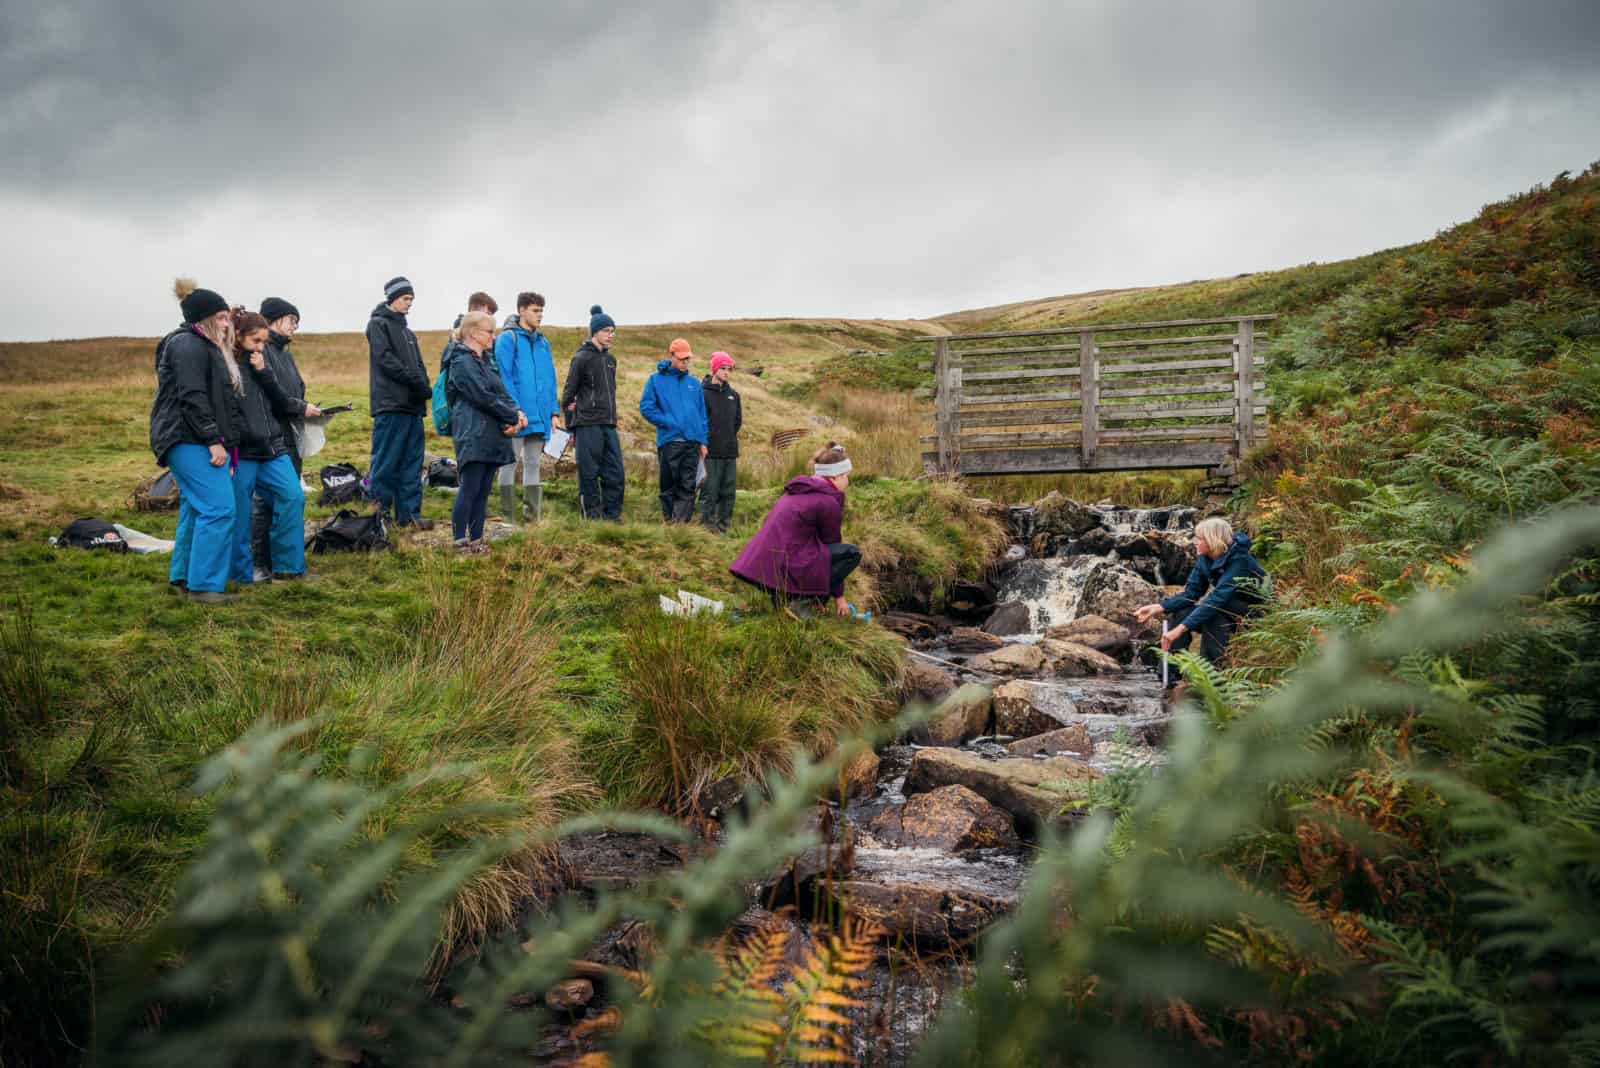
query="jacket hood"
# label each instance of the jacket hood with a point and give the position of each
(810, 484)
(278, 339)
(1241, 543)
(666, 365)
(383, 311)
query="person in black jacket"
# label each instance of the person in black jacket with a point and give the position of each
(724, 417)
(482, 419)
(264, 459)
(192, 424)
(399, 392)
(283, 321)
(590, 401)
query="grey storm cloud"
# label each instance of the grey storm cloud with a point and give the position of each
(711, 158)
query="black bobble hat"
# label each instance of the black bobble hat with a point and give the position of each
(197, 303)
(275, 308)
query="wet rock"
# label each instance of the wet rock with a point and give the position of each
(951, 818)
(1096, 542)
(1010, 660)
(722, 796)
(913, 626)
(971, 640)
(857, 778)
(569, 995)
(1032, 790)
(1017, 715)
(1020, 519)
(923, 681)
(1069, 659)
(833, 856)
(1074, 740)
(1009, 617)
(1062, 517)
(928, 914)
(1116, 593)
(962, 715)
(970, 600)
(611, 860)
(1096, 632)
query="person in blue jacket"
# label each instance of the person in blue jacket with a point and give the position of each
(523, 355)
(674, 404)
(483, 417)
(1224, 585)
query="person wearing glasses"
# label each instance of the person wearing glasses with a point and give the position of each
(799, 552)
(482, 419)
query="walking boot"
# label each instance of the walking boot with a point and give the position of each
(508, 503)
(533, 503)
(211, 597)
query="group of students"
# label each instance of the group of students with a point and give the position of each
(230, 401)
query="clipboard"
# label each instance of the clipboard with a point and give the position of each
(556, 442)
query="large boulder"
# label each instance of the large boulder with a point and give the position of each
(1097, 632)
(971, 640)
(1071, 660)
(921, 902)
(1096, 542)
(1010, 660)
(1008, 617)
(1062, 517)
(952, 819)
(970, 600)
(1034, 791)
(1116, 593)
(1073, 740)
(1017, 715)
(961, 716)
(925, 682)
(858, 778)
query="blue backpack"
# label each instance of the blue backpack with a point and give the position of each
(441, 406)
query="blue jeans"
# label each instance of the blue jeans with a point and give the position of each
(397, 448)
(276, 480)
(204, 541)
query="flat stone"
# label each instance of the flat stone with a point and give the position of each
(1017, 714)
(927, 914)
(1010, 660)
(1074, 740)
(1096, 632)
(952, 819)
(971, 640)
(1009, 617)
(961, 716)
(1034, 791)
(1069, 659)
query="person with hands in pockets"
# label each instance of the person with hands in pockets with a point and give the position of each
(673, 403)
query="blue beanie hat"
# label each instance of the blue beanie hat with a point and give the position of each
(599, 320)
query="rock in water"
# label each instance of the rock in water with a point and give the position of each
(1114, 592)
(1071, 660)
(970, 600)
(857, 778)
(1008, 618)
(971, 640)
(569, 994)
(1034, 791)
(1016, 714)
(1096, 542)
(922, 681)
(1062, 517)
(951, 818)
(1010, 660)
(1097, 632)
(1074, 740)
(912, 626)
(961, 716)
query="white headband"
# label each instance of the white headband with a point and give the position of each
(834, 470)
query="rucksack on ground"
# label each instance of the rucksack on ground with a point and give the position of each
(341, 484)
(158, 493)
(90, 533)
(351, 532)
(442, 471)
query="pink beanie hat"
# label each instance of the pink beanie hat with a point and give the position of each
(719, 360)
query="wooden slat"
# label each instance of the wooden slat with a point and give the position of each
(1164, 354)
(1055, 331)
(1207, 431)
(1135, 342)
(1244, 390)
(1057, 416)
(1160, 386)
(1006, 376)
(1088, 396)
(943, 404)
(1049, 359)
(1124, 412)
(1108, 457)
(970, 398)
(1018, 351)
(1174, 365)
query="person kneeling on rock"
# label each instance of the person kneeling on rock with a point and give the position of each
(1223, 586)
(799, 551)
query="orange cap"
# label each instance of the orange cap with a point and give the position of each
(679, 347)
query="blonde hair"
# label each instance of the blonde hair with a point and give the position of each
(1216, 533)
(470, 320)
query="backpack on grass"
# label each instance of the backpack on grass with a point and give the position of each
(351, 532)
(442, 471)
(90, 533)
(341, 484)
(158, 493)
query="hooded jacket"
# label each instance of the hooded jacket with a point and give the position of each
(261, 435)
(529, 375)
(290, 404)
(397, 380)
(592, 387)
(194, 403)
(1222, 578)
(674, 405)
(790, 551)
(724, 417)
(479, 408)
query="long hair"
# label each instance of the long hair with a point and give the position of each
(222, 335)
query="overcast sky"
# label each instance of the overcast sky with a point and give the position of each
(708, 159)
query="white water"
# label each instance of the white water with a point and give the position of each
(1051, 587)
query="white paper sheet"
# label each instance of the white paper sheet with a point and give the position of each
(555, 442)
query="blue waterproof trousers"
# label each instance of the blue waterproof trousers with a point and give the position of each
(204, 542)
(397, 449)
(275, 479)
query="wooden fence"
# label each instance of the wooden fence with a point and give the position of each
(1118, 397)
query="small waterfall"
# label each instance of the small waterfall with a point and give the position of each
(1051, 587)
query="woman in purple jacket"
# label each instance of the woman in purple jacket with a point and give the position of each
(798, 552)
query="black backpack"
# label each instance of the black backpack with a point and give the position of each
(92, 534)
(351, 532)
(442, 472)
(341, 484)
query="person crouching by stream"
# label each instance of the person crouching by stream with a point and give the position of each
(191, 430)
(265, 465)
(1223, 587)
(672, 403)
(483, 418)
(799, 552)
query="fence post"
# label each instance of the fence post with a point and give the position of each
(1244, 389)
(941, 402)
(1088, 397)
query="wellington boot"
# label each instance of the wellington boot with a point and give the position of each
(508, 503)
(532, 504)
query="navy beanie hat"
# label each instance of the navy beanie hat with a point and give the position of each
(599, 320)
(275, 308)
(397, 287)
(197, 303)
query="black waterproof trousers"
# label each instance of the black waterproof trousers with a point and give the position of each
(716, 492)
(680, 463)
(600, 474)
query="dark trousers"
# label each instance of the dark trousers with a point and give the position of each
(261, 523)
(1217, 632)
(716, 492)
(472, 499)
(842, 559)
(397, 442)
(680, 463)
(599, 471)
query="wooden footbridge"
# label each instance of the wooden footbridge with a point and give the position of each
(1115, 397)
